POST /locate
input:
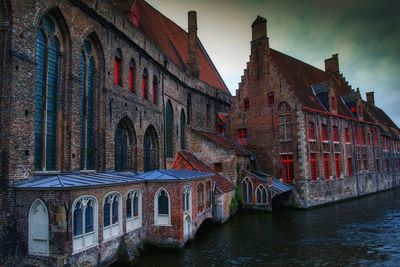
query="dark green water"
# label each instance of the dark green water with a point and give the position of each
(362, 232)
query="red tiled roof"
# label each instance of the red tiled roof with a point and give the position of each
(226, 143)
(173, 41)
(187, 161)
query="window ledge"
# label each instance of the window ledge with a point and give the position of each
(84, 249)
(166, 225)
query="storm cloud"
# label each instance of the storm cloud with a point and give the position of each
(365, 34)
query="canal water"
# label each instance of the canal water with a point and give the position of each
(361, 232)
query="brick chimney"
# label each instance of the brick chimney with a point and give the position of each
(259, 28)
(371, 98)
(259, 40)
(332, 65)
(193, 60)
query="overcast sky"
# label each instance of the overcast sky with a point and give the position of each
(365, 34)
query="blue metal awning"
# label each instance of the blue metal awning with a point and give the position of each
(95, 179)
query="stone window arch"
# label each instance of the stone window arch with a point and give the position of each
(261, 195)
(187, 199)
(38, 229)
(132, 76)
(151, 158)
(183, 130)
(118, 67)
(84, 222)
(162, 207)
(134, 210)
(125, 146)
(169, 130)
(155, 90)
(112, 215)
(145, 84)
(247, 191)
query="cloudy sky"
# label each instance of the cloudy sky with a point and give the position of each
(365, 34)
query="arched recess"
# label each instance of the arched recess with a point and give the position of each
(169, 130)
(151, 149)
(52, 56)
(125, 145)
(261, 195)
(182, 127)
(38, 229)
(162, 207)
(247, 191)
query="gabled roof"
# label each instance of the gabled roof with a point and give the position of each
(187, 161)
(226, 143)
(379, 115)
(173, 41)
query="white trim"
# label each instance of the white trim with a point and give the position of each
(260, 186)
(135, 222)
(252, 193)
(112, 230)
(31, 245)
(157, 217)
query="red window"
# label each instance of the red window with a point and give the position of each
(117, 69)
(155, 91)
(369, 139)
(271, 99)
(333, 100)
(375, 137)
(347, 135)
(349, 167)
(353, 109)
(335, 133)
(144, 85)
(287, 168)
(311, 131)
(337, 165)
(242, 136)
(131, 79)
(326, 166)
(324, 130)
(365, 161)
(313, 163)
(356, 137)
(246, 103)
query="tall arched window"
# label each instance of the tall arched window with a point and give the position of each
(151, 158)
(200, 195)
(38, 229)
(187, 198)
(247, 191)
(183, 130)
(169, 130)
(145, 84)
(84, 223)
(87, 76)
(118, 67)
(112, 215)
(132, 76)
(162, 214)
(125, 145)
(285, 138)
(47, 57)
(134, 210)
(208, 193)
(261, 193)
(155, 90)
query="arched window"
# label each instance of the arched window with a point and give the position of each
(285, 138)
(247, 191)
(47, 72)
(169, 130)
(262, 197)
(87, 76)
(84, 223)
(162, 215)
(125, 145)
(112, 215)
(208, 193)
(118, 67)
(134, 210)
(200, 195)
(145, 85)
(183, 130)
(132, 76)
(155, 90)
(151, 158)
(38, 229)
(187, 198)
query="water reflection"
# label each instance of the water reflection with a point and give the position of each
(362, 232)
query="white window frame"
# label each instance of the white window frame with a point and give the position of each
(134, 222)
(187, 192)
(32, 248)
(261, 187)
(248, 182)
(112, 230)
(85, 240)
(161, 219)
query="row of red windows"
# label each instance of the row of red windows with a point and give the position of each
(131, 83)
(271, 101)
(326, 163)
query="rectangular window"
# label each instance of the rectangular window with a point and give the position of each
(365, 161)
(144, 87)
(246, 104)
(242, 136)
(271, 99)
(131, 79)
(287, 168)
(356, 137)
(117, 62)
(349, 167)
(335, 133)
(313, 163)
(337, 165)
(311, 131)
(347, 135)
(326, 166)
(324, 130)
(362, 135)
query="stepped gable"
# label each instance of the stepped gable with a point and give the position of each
(301, 76)
(173, 41)
(187, 161)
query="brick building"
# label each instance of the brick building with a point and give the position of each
(311, 129)
(93, 94)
